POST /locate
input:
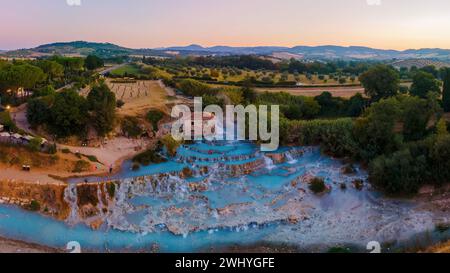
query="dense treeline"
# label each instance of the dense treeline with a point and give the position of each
(19, 79)
(67, 113)
(258, 63)
(292, 107)
(398, 138)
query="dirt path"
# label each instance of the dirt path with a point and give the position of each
(35, 176)
(113, 152)
(19, 116)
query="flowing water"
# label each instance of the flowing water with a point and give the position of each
(234, 195)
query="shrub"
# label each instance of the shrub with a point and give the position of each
(6, 120)
(292, 107)
(317, 185)
(92, 158)
(170, 144)
(154, 117)
(131, 128)
(35, 144)
(120, 103)
(52, 149)
(334, 136)
(148, 157)
(34, 206)
(81, 166)
(194, 88)
(399, 173)
(358, 184)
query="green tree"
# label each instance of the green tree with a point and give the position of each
(53, 69)
(416, 116)
(401, 172)
(69, 114)
(72, 66)
(380, 81)
(248, 94)
(38, 112)
(44, 91)
(446, 92)
(375, 130)
(356, 105)
(155, 116)
(102, 104)
(195, 88)
(93, 62)
(431, 69)
(21, 76)
(440, 163)
(423, 83)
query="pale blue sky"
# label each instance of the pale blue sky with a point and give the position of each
(397, 24)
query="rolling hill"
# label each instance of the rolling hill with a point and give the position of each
(80, 48)
(420, 63)
(328, 52)
(319, 52)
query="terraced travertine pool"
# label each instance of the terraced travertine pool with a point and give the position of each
(234, 194)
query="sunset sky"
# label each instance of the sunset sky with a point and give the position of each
(393, 24)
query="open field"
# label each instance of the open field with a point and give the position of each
(129, 69)
(139, 96)
(336, 91)
(138, 70)
(345, 92)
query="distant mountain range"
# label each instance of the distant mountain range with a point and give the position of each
(320, 52)
(82, 48)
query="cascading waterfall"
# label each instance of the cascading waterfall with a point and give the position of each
(269, 163)
(290, 158)
(214, 199)
(70, 196)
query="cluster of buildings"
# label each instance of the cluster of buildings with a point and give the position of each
(17, 139)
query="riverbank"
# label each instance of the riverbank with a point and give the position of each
(14, 246)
